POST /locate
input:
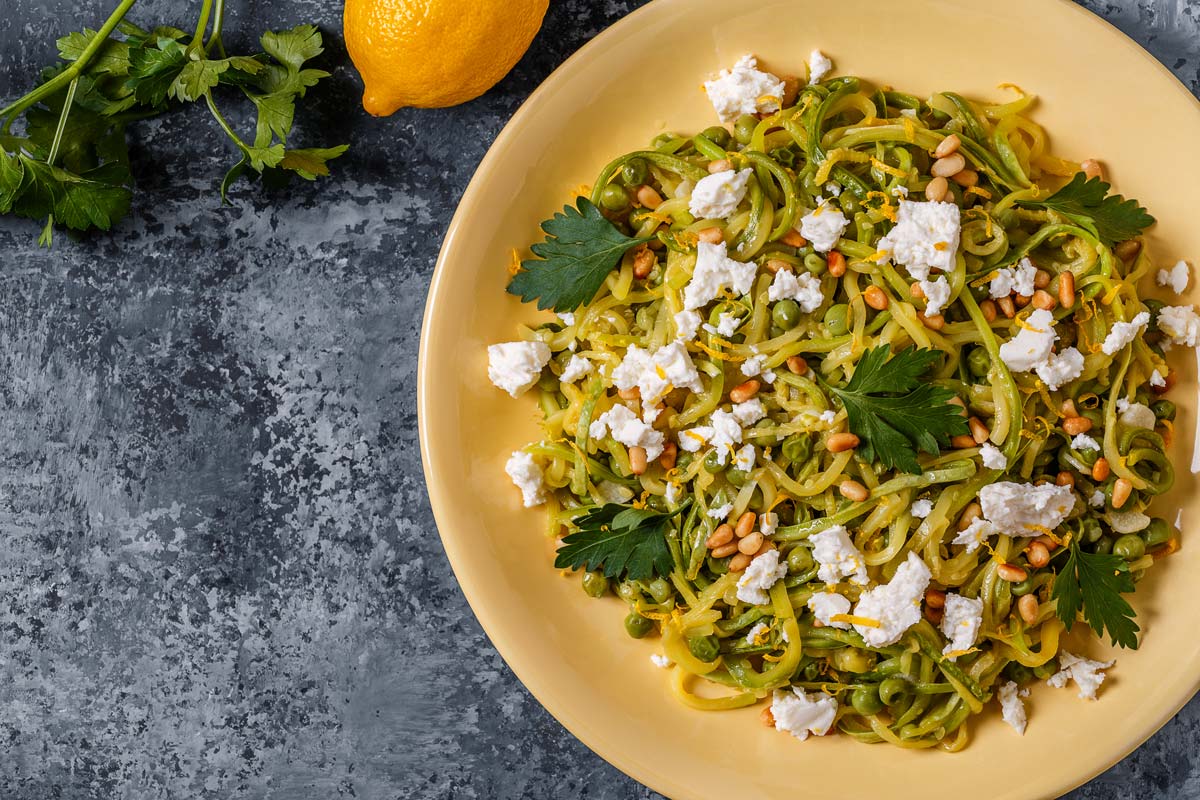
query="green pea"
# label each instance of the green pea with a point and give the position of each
(865, 699)
(638, 626)
(786, 314)
(712, 463)
(705, 648)
(635, 172)
(1090, 530)
(893, 690)
(849, 203)
(1043, 671)
(1095, 415)
(595, 584)
(799, 560)
(812, 671)
(776, 331)
(1088, 457)
(1018, 673)
(717, 135)
(979, 362)
(1023, 587)
(628, 591)
(852, 659)
(737, 477)
(1163, 409)
(1129, 547)
(797, 448)
(1142, 396)
(1105, 545)
(743, 129)
(683, 460)
(614, 197)
(837, 319)
(1158, 532)
(815, 264)
(660, 590)
(644, 318)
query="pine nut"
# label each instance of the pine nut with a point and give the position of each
(958, 401)
(720, 165)
(989, 310)
(1037, 554)
(948, 146)
(1101, 470)
(766, 545)
(972, 512)
(1041, 279)
(751, 543)
(669, 454)
(1128, 249)
(875, 298)
(793, 239)
(745, 524)
(1065, 478)
(936, 189)
(791, 88)
(1066, 289)
(1048, 543)
(1074, 426)
(1044, 300)
(979, 431)
(1011, 573)
(643, 262)
(725, 550)
(632, 393)
(739, 562)
(1005, 304)
(935, 598)
(1027, 607)
(935, 615)
(648, 197)
(853, 490)
(1068, 408)
(1022, 300)
(1091, 168)
(637, 460)
(841, 442)
(712, 235)
(965, 177)
(768, 717)
(775, 265)
(797, 365)
(743, 392)
(915, 291)
(950, 165)
(837, 263)
(1122, 488)
(935, 322)
(722, 536)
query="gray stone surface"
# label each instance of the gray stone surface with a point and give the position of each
(219, 574)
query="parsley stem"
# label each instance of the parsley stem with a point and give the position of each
(201, 25)
(9, 113)
(218, 21)
(62, 122)
(212, 106)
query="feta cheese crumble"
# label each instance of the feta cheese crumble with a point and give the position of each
(937, 294)
(802, 714)
(960, 624)
(749, 412)
(1157, 380)
(723, 432)
(687, 325)
(1017, 279)
(1087, 674)
(1082, 442)
(717, 196)
(760, 576)
(626, 428)
(804, 288)
(660, 661)
(895, 606)
(1138, 415)
(925, 237)
(516, 366)
(656, 374)
(1181, 324)
(1097, 499)
(1023, 509)
(744, 90)
(1032, 344)
(727, 323)
(823, 226)
(721, 512)
(1176, 277)
(768, 521)
(974, 534)
(752, 635)
(1060, 368)
(992, 457)
(819, 66)
(714, 272)
(744, 459)
(576, 368)
(1011, 707)
(753, 366)
(826, 605)
(838, 556)
(527, 476)
(921, 508)
(1122, 333)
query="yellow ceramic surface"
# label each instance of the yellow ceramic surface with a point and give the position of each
(1101, 96)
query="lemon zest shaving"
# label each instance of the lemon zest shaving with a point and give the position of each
(865, 622)
(514, 262)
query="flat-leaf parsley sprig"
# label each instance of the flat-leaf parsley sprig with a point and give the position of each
(1086, 201)
(624, 541)
(70, 165)
(1094, 582)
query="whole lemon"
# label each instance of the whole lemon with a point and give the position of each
(435, 53)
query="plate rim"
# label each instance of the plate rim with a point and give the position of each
(656, 780)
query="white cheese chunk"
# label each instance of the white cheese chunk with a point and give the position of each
(516, 366)
(819, 66)
(1082, 442)
(894, 607)
(838, 557)
(744, 458)
(975, 534)
(1122, 333)
(758, 634)
(1017, 279)
(961, 622)
(759, 577)
(527, 476)
(768, 521)
(749, 412)
(1087, 674)
(921, 508)
(802, 714)
(826, 605)
(1157, 380)
(717, 196)
(992, 457)
(727, 324)
(626, 428)
(1181, 324)
(721, 512)
(656, 374)
(823, 226)
(660, 661)
(804, 288)
(1032, 344)
(1176, 277)
(744, 90)
(576, 368)
(1060, 368)
(925, 237)
(687, 325)
(714, 272)
(937, 294)
(1023, 509)
(1012, 709)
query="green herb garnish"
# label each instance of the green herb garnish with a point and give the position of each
(71, 165)
(893, 413)
(623, 540)
(580, 249)
(1095, 582)
(1086, 201)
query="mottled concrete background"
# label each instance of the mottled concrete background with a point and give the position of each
(219, 574)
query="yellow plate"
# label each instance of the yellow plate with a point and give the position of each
(1101, 96)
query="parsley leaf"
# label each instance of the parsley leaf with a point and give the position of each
(893, 413)
(153, 69)
(623, 540)
(1095, 582)
(1085, 200)
(580, 249)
